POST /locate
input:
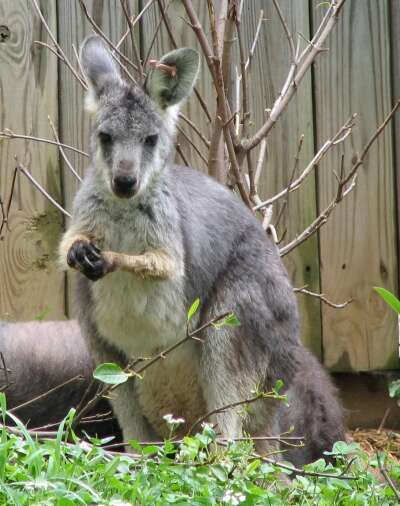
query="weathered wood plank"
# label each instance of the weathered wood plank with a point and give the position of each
(269, 70)
(358, 248)
(395, 72)
(30, 283)
(74, 121)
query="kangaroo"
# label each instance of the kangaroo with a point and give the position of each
(182, 236)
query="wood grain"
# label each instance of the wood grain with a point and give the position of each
(358, 245)
(30, 283)
(269, 70)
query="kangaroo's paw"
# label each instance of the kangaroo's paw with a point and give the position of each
(87, 259)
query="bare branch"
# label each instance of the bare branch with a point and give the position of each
(340, 136)
(136, 55)
(62, 152)
(38, 186)
(9, 134)
(288, 34)
(113, 47)
(322, 297)
(56, 44)
(385, 474)
(296, 73)
(227, 407)
(78, 377)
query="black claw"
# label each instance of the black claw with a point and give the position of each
(86, 257)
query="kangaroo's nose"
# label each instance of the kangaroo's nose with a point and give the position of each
(125, 186)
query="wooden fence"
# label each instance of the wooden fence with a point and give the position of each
(356, 250)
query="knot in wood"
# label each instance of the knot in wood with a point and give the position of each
(4, 33)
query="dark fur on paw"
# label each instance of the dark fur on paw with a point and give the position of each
(86, 258)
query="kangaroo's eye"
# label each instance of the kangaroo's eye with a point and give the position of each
(151, 140)
(105, 138)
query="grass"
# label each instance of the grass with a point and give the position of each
(55, 472)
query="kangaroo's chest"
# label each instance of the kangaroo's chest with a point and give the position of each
(139, 316)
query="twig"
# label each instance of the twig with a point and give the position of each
(136, 20)
(340, 136)
(62, 152)
(125, 8)
(8, 383)
(9, 134)
(320, 220)
(5, 220)
(195, 129)
(107, 389)
(50, 48)
(182, 155)
(322, 297)
(302, 472)
(296, 73)
(288, 34)
(113, 47)
(283, 439)
(78, 377)
(189, 140)
(343, 190)
(56, 44)
(38, 186)
(383, 421)
(226, 407)
(388, 479)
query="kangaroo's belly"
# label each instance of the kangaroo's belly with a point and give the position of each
(139, 317)
(172, 386)
(142, 318)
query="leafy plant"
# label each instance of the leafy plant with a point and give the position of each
(195, 471)
(394, 303)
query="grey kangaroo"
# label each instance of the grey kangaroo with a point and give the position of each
(181, 235)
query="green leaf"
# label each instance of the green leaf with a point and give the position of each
(230, 321)
(110, 373)
(193, 309)
(278, 386)
(43, 313)
(389, 298)
(394, 388)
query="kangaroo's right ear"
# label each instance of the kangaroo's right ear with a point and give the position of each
(100, 69)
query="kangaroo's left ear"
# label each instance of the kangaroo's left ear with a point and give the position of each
(169, 88)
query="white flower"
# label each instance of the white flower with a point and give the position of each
(233, 498)
(173, 421)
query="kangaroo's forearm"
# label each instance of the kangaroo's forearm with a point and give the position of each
(155, 264)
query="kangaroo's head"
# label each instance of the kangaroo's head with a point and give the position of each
(133, 130)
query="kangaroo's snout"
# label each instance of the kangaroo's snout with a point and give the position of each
(125, 186)
(125, 183)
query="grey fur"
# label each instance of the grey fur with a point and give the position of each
(222, 256)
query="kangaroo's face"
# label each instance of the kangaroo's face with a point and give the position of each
(133, 129)
(130, 140)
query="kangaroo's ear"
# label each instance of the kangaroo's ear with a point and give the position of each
(171, 87)
(100, 69)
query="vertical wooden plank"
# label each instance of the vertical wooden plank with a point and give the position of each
(395, 73)
(358, 245)
(269, 70)
(30, 282)
(74, 122)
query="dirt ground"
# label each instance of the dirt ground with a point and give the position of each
(373, 440)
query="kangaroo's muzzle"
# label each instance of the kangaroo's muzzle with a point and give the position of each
(125, 184)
